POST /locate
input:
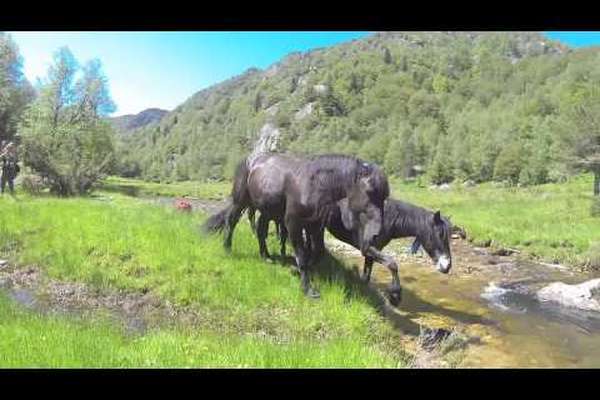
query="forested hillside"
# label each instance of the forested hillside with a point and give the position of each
(459, 105)
(124, 124)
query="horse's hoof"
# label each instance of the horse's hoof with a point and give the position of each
(395, 296)
(312, 293)
(268, 260)
(365, 278)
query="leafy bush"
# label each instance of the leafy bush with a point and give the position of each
(32, 184)
(593, 256)
(595, 209)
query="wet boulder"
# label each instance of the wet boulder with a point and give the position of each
(585, 296)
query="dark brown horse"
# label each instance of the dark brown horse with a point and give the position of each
(303, 192)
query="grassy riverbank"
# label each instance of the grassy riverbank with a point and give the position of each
(32, 340)
(135, 187)
(549, 222)
(253, 313)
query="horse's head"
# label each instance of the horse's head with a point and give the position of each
(362, 209)
(436, 241)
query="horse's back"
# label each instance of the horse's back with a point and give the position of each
(267, 178)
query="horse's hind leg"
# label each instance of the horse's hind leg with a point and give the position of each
(262, 231)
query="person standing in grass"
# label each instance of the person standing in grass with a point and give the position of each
(10, 167)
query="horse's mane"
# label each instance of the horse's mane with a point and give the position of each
(401, 213)
(329, 170)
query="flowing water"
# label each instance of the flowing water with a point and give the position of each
(492, 301)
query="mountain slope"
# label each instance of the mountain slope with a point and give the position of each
(127, 123)
(458, 105)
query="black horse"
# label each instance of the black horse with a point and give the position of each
(430, 230)
(301, 193)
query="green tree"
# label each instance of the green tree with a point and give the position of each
(15, 91)
(509, 163)
(441, 169)
(581, 132)
(65, 137)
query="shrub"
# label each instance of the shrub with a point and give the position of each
(32, 184)
(595, 209)
(593, 256)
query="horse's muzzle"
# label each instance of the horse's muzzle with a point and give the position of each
(444, 264)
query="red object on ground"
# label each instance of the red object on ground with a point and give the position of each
(183, 205)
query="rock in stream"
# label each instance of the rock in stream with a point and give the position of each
(584, 296)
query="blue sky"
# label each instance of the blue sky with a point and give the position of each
(163, 69)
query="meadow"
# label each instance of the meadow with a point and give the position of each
(253, 313)
(551, 222)
(215, 190)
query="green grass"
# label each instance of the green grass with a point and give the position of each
(253, 313)
(130, 245)
(203, 190)
(551, 221)
(31, 340)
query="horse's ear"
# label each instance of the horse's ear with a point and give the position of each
(365, 169)
(437, 218)
(347, 217)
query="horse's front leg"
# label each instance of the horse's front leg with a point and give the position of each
(283, 234)
(262, 231)
(368, 267)
(251, 214)
(395, 290)
(302, 256)
(316, 242)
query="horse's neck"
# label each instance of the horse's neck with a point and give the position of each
(406, 225)
(327, 190)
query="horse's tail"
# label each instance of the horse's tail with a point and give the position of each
(236, 204)
(216, 222)
(239, 192)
